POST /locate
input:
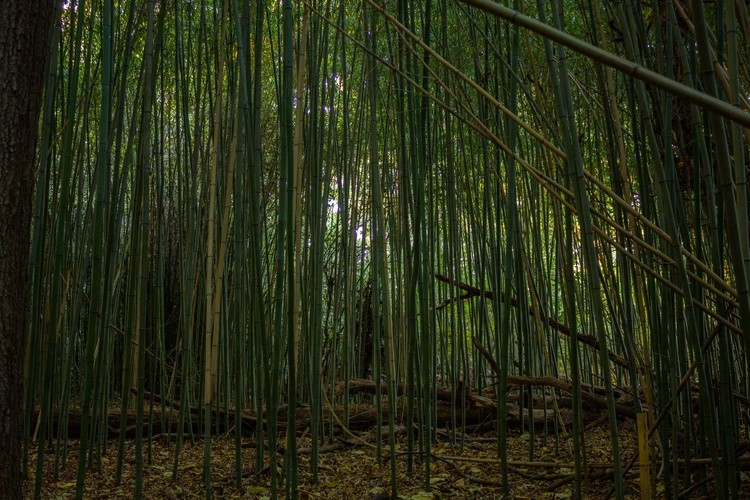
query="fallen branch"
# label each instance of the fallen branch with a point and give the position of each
(557, 383)
(473, 291)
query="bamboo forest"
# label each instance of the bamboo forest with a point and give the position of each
(390, 249)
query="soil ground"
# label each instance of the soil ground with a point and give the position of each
(349, 470)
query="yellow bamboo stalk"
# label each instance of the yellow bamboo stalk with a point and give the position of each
(645, 466)
(299, 152)
(209, 375)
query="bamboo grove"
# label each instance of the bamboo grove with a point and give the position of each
(241, 206)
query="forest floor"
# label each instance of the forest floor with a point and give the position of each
(348, 469)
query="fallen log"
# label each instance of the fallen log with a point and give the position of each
(463, 398)
(473, 402)
(362, 417)
(475, 409)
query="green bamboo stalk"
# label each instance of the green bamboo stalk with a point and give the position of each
(140, 258)
(575, 165)
(287, 163)
(634, 70)
(99, 242)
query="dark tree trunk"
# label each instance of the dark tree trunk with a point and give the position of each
(24, 39)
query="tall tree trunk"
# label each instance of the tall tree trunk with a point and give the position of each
(24, 39)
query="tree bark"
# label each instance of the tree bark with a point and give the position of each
(25, 28)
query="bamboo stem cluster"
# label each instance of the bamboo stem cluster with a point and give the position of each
(241, 205)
